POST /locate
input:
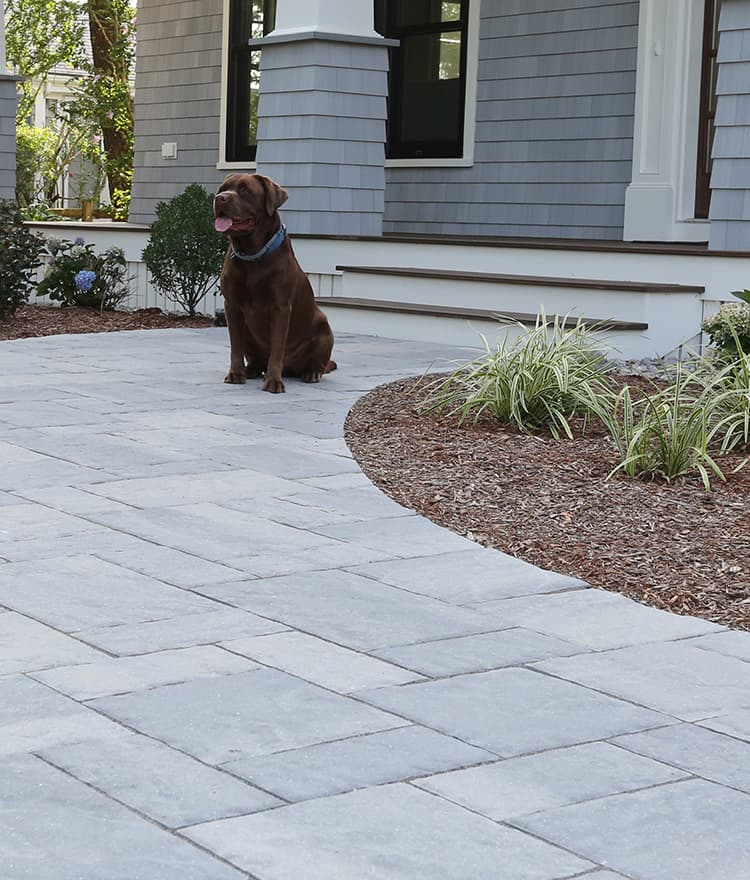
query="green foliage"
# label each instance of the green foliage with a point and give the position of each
(744, 295)
(20, 251)
(79, 276)
(665, 434)
(185, 253)
(729, 329)
(545, 377)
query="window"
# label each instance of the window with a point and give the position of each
(427, 88)
(248, 19)
(707, 108)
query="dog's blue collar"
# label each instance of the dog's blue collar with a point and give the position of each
(269, 248)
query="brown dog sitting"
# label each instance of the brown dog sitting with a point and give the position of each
(275, 326)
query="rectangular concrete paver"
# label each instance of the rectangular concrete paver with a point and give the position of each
(549, 779)
(422, 539)
(466, 576)
(26, 645)
(690, 830)
(350, 610)
(158, 781)
(320, 662)
(393, 832)
(477, 653)
(514, 711)
(252, 713)
(372, 759)
(54, 827)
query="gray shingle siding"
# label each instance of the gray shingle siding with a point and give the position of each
(177, 99)
(321, 130)
(730, 176)
(554, 128)
(7, 137)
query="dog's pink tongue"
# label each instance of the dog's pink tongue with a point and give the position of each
(222, 224)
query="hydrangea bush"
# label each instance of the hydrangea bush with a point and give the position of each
(79, 276)
(729, 328)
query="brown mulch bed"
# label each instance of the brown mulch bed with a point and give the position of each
(545, 501)
(50, 320)
(673, 546)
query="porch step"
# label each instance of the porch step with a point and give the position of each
(410, 302)
(466, 314)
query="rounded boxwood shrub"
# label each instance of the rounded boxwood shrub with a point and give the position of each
(185, 253)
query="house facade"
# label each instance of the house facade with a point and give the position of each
(7, 120)
(487, 136)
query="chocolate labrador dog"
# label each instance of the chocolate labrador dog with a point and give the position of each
(275, 327)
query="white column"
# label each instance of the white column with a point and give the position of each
(352, 17)
(659, 203)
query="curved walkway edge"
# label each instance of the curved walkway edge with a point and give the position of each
(225, 654)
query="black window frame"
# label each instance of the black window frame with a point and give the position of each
(242, 60)
(387, 25)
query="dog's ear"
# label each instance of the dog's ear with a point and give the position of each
(275, 195)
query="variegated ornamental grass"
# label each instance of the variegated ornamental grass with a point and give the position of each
(553, 376)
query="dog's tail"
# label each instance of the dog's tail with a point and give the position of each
(330, 367)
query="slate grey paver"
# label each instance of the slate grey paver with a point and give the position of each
(336, 554)
(80, 591)
(696, 750)
(26, 645)
(514, 711)
(158, 781)
(179, 632)
(52, 826)
(671, 677)
(23, 522)
(320, 662)
(69, 499)
(126, 674)
(732, 643)
(597, 619)
(692, 830)
(477, 653)
(371, 759)
(468, 576)
(736, 723)
(550, 779)
(393, 832)
(349, 610)
(33, 717)
(252, 713)
(388, 534)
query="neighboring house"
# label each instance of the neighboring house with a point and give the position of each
(528, 142)
(7, 120)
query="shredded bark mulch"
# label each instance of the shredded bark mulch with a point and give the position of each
(32, 320)
(674, 546)
(549, 502)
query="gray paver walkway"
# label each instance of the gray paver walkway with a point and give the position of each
(224, 654)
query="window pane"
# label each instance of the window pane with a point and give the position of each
(417, 12)
(431, 90)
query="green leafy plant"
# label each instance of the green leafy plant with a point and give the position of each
(20, 256)
(78, 275)
(547, 375)
(744, 295)
(665, 434)
(729, 329)
(185, 253)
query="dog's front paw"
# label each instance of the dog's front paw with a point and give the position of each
(275, 386)
(234, 378)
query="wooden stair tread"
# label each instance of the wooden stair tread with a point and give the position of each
(468, 314)
(527, 280)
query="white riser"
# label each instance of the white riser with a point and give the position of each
(458, 332)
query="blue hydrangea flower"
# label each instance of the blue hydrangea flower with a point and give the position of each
(85, 279)
(79, 240)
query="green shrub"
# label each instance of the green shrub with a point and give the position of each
(545, 377)
(727, 397)
(20, 251)
(185, 253)
(729, 329)
(79, 276)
